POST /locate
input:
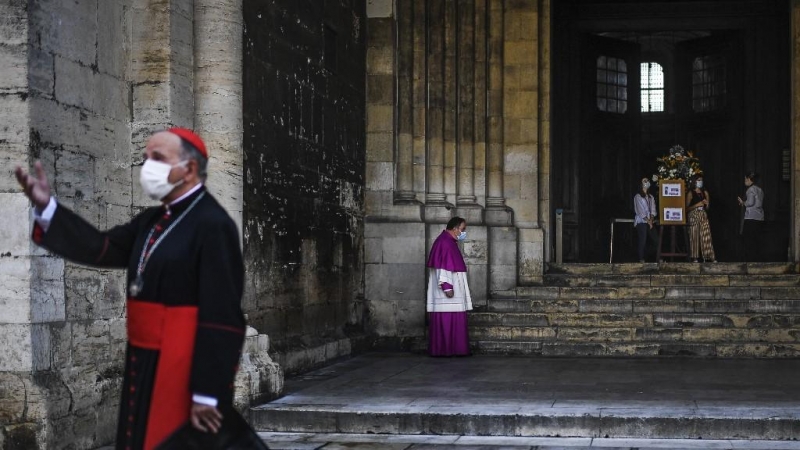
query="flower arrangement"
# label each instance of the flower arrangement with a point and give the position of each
(678, 164)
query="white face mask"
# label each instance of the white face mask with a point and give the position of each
(699, 184)
(462, 236)
(154, 178)
(646, 185)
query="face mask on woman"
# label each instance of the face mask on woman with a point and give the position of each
(154, 178)
(646, 185)
(699, 184)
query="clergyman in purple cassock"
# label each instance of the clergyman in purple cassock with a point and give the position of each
(448, 293)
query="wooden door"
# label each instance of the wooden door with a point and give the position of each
(608, 153)
(709, 104)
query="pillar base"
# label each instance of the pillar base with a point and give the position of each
(499, 216)
(472, 213)
(438, 212)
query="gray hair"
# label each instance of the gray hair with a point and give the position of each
(188, 151)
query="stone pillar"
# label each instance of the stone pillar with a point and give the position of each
(545, 86)
(437, 209)
(218, 96)
(497, 213)
(420, 97)
(162, 74)
(795, 217)
(404, 119)
(521, 133)
(466, 201)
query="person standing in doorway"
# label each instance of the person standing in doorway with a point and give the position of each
(645, 206)
(697, 203)
(185, 282)
(448, 293)
(753, 218)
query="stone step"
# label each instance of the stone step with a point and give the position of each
(384, 394)
(765, 320)
(636, 349)
(635, 334)
(744, 291)
(776, 268)
(669, 280)
(532, 420)
(725, 304)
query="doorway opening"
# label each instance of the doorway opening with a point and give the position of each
(633, 79)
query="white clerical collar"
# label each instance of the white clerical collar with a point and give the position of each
(190, 192)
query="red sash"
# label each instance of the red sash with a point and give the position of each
(171, 331)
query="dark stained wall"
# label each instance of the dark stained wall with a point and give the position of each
(304, 154)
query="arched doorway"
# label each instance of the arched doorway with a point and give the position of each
(725, 96)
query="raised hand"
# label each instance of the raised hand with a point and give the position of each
(37, 189)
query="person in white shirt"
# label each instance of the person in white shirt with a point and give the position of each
(645, 206)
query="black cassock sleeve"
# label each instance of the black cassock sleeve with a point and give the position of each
(75, 239)
(221, 327)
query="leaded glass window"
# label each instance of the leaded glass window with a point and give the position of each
(612, 85)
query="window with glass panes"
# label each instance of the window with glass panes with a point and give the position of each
(708, 83)
(652, 87)
(612, 85)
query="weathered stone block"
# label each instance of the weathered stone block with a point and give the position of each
(658, 334)
(15, 290)
(502, 277)
(380, 176)
(663, 306)
(773, 306)
(380, 147)
(540, 292)
(380, 61)
(404, 250)
(713, 306)
(716, 335)
(606, 306)
(73, 35)
(381, 317)
(690, 293)
(16, 355)
(765, 280)
(598, 320)
(595, 334)
(689, 280)
(550, 306)
(692, 320)
(512, 333)
(380, 9)
(407, 282)
(525, 320)
(780, 293)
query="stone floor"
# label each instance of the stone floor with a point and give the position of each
(506, 396)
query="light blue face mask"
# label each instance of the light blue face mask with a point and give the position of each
(462, 236)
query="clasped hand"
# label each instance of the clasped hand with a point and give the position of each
(205, 418)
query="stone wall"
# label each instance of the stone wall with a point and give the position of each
(83, 84)
(66, 88)
(304, 175)
(457, 125)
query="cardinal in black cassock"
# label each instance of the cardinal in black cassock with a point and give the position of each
(185, 282)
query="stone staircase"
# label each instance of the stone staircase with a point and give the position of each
(671, 309)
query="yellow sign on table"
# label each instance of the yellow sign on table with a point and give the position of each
(672, 202)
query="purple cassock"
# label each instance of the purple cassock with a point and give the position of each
(447, 272)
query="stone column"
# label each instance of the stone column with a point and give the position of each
(795, 217)
(218, 96)
(496, 211)
(466, 201)
(404, 119)
(437, 209)
(545, 86)
(521, 133)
